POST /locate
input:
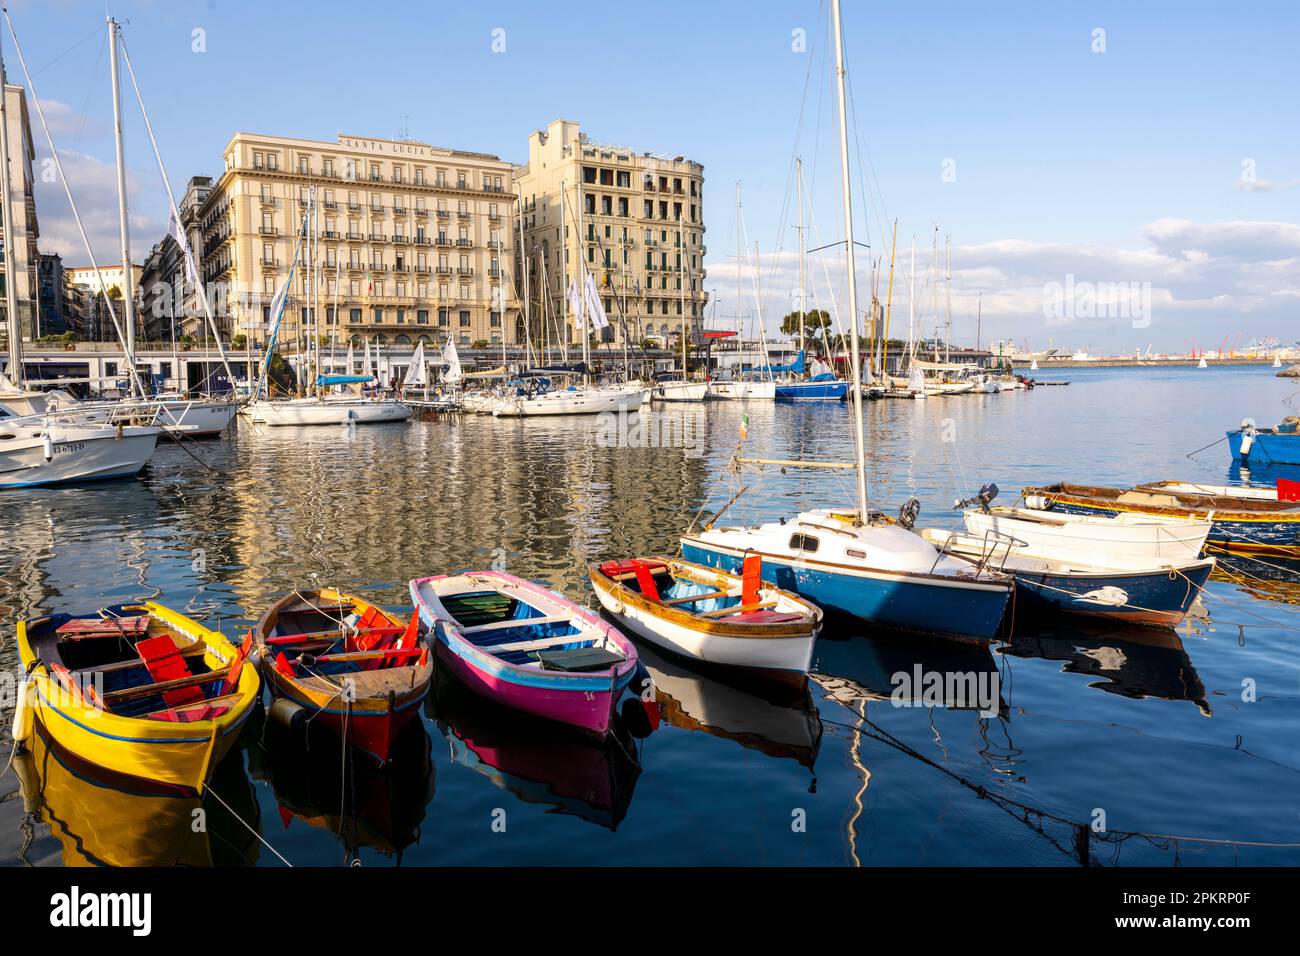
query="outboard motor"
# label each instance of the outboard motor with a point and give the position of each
(908, 513)
(986, 494)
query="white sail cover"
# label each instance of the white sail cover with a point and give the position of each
(451, 372)
(595, 309)
(415, 374)
(350, 368)
(367, 368)
(818, 367)
(576, 305)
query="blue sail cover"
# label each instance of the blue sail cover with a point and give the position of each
(796, 366)
(343, 379)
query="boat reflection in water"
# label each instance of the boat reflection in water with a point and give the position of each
(916, 670)
(538, 761)
(1269, 579)
(771, 718)
(99, 819)
(1133, 662)
(362, 805)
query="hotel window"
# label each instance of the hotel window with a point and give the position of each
(442, 317)
(622, 205)
(589, 203)
(378, 315)
(464, 263)
(328, 168)
(492, 210)
(624, 178)
(266, 192)
(401, 316)
(606, 206)
(354, 290)
(330, 317)
(423, 290)
(266, 315)
(268, 223)
(350, 169)
(649, 210)
(588, 174)
(421, 316)
(464, 292)
(464, 319)
(494, 320)
(272, 161)
(304, 165)
(374, 172)
(397, 174)
(401, 290)
(268, 285)
(354, 316)
(462, 208)
(258, 161)
(268, 256)
(419, 203)
(441, 180)
(460, 179)
(419, 180)
(329, 257)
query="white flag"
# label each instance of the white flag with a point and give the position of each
(277, 303)
(177, 233)
(575, 304)
(594, 307)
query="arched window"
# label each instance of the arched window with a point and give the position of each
(402, 340)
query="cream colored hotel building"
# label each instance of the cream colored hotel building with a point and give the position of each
(418, 235)
(632, 206)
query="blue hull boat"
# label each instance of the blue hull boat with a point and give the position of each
(910, 601)
(834, 390)
(1151, 597)
(1265, 446)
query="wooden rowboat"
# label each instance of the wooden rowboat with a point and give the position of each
(335, 658)
(710, 615)
(527, 647)
(138, 690)
(1242, 525)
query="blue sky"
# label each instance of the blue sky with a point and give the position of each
(1071, 166)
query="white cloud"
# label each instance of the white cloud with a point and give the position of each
(67, 123)
(1205, 281)
(94, 187)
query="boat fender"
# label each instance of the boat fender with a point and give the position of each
(48, 441)
(1248, 432)
(23, 711)
(286, 713)
(1038, 502)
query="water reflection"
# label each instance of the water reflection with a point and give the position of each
(539, 762)
(774, 721)
(99, 821)
(1134, 662)
(359, 804)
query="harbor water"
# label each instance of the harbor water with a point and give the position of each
(1098, 745)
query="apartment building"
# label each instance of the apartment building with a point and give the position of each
(166, 294)
(635, 220)
(95, 319)
(414, 241)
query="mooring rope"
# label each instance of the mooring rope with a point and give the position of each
(251, 829)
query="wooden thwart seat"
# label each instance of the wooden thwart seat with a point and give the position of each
(696, 598)
(739, 609)
(515, 622)
(80, 628)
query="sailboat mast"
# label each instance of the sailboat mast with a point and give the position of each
(889, 303)
(740, 313)
(523, 262)
(128, 280)
(14, 327)
(947, 347)
(846, 189)
(681, 289)
(911, 308)
(803, 306)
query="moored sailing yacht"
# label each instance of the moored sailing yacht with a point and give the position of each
(855, 560)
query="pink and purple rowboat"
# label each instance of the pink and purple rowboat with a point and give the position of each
(526, 647)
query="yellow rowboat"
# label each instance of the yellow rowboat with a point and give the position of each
(138, 690)
(358, 669)
(709, 615)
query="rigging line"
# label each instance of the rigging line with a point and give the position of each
(231, 811)
(101, 27)
(84, 115)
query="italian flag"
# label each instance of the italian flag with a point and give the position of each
(744, 426)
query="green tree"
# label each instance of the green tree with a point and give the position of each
(816, 325)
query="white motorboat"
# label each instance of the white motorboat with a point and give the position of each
(679, 390)
(178, 417)
(38, 450)
(575, 400)
(1127, 541)
(742, 390)
(314, 411)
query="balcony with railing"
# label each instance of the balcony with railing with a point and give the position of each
(401, 239)
(378, 237)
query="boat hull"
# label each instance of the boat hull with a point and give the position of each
(297, 413)
(1260, 532)
(1161, 597)
(1268, 448)
(782, 650)
(576, 402)
(742, 391)
(679, 392)
(178, 757)
(961, 609)
(80, 454)
(834, 391)
(584, 700)
(1123, 546)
